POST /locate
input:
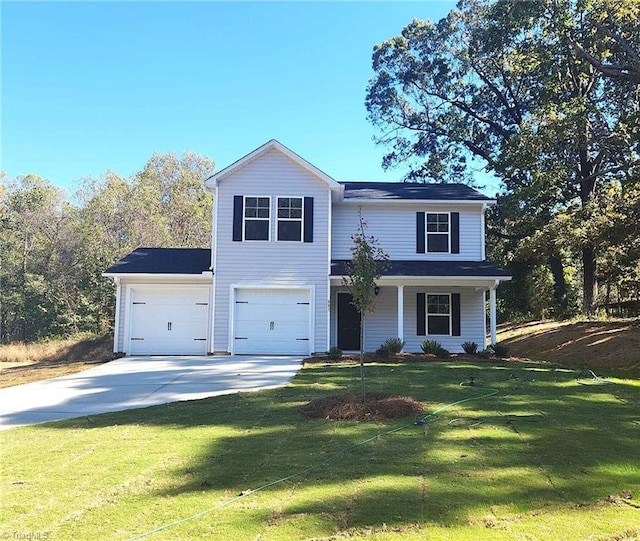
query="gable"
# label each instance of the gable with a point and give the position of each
(272, 149)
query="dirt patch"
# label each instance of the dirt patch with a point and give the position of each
(350, 407)
(592, 344)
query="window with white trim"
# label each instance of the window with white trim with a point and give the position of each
(256, 218)
(439, 314)
(290, 218)
(437, 224)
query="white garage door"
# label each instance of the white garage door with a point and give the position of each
(274, 321)
(169, 321)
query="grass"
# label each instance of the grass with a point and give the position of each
(25, 363)
(547, 458)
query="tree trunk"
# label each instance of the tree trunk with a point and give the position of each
(559, 283)
(362, 388)
(589, 284)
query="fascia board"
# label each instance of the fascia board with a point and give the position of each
(204, 274)
(416, 280)
(448, 202)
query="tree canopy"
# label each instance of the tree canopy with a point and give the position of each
(509, 84)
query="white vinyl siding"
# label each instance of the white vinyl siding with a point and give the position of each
(120, 319)
(395, 229)
(267, 264)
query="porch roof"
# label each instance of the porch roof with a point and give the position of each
(405, 269)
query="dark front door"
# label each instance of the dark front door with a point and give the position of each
(348, 323)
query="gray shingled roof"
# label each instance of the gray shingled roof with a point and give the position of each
(164, 261)
(411, 190)
(431, 268)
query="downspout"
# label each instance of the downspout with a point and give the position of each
(483, 254)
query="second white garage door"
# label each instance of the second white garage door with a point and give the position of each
(272, 321)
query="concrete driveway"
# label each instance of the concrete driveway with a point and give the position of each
(138, 382)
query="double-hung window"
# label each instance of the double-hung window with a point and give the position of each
(256, 218)
(438, 232)
(439, 314)
(290, 218)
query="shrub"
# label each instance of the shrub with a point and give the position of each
(486, 353)
(391, 346)
(434, 348)
(470, 348)
(335, 354)
(500, 350)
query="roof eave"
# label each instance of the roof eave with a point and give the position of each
(395, 201)
(205, 274)
(488, 281)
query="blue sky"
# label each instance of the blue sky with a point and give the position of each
(89, 86)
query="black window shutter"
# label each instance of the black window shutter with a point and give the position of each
(455, 232)
(238, 208)
(455, 314)
(308, 219)
(421, 315)
(420, 244)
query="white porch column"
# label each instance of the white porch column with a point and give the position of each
(492, 313)
(401, 312)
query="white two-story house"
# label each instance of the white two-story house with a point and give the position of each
(273, 281)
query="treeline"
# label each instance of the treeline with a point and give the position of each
(54, 246)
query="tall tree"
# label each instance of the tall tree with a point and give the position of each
(501, 82)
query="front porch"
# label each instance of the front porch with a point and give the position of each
(448, 309)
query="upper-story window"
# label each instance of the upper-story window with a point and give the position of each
(257, 218)
(253, 218)
(437, 232)
(290, 218)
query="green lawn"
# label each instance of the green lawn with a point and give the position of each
(546, 458)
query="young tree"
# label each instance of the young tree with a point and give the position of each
(368, 261)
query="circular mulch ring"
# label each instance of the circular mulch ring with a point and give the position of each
(350, 407)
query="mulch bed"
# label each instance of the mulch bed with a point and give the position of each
(350, 407)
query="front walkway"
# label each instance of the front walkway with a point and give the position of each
(138, 382)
